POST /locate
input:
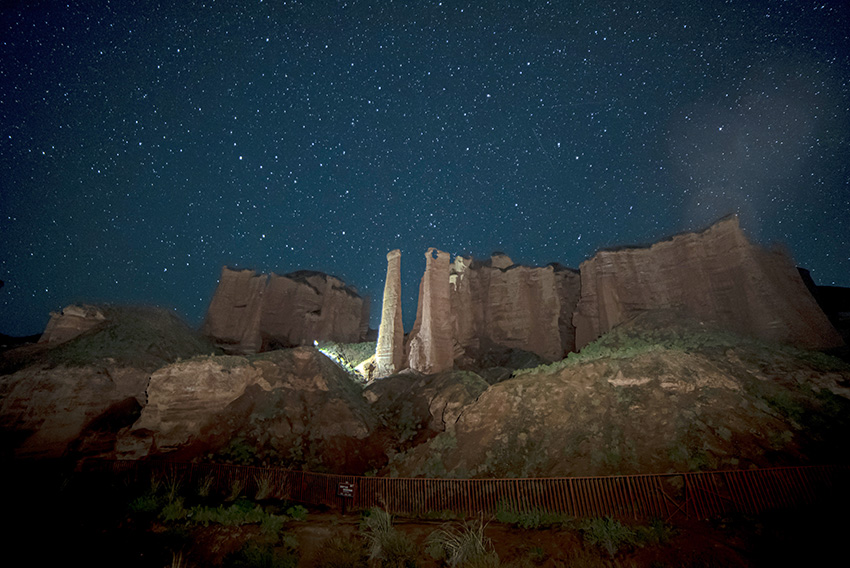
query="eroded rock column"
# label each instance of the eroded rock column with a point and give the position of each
(431, 347)
(389, 354)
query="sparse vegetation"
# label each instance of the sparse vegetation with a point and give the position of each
(344, 553)
(533, 519)
(463, 545)
(608, 534)
(387, 546)
(133, 336)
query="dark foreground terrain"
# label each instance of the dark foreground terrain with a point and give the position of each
(109, 520)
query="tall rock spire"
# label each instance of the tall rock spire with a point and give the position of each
(389, 354)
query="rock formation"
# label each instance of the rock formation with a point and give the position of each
(253, 312)
(389, 354)
(506, 305)
(292, 407)
(431, 346)
(71, 322)
(716, 276)
(494, 305)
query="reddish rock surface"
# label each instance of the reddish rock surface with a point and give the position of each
(430, 343)
(292, 407)
(469, 308)
(71, 322)
(716, 276)
(253, 312)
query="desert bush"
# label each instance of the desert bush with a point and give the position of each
(344, 553)
(264, 486)
(173, 511)
(463, 545)
(389, 547)
(254, 555)
(297, 512)
(242, 512)
(533, 519)
(656, 532)
(205, 485)
(608, 534)
(236, 489)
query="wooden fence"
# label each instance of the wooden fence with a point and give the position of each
(699, 495)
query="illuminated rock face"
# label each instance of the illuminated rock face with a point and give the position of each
(468, 308)
(510, 306)
(389, 354)
(253, 312)
(716, 276)
(431, 346)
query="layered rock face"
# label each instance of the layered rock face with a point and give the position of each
(716, 276)
(431, 346)
(71, 322)
(389, 354)
(253, 312)
(507, 305)
(469, 308)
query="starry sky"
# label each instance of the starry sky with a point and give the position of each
(145, 144)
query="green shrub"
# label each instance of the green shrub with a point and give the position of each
(173, 511)
(533, 519)
(297, 512)
(148, 503)
(608, 534)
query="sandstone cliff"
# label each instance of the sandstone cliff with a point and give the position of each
(469, 308)
(253, 312)
(716, 276)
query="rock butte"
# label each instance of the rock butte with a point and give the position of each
(716, 276)
(253, 312)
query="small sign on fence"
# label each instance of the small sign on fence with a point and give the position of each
(345, 489)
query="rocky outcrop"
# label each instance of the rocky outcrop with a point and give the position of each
(716, 276)
(668, 399)
(70, 322)
(289, 407)
(389, 354)
(430, 344)
(253, 312)
(72, 398)
(43, 411)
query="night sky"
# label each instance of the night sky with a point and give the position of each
(144, 145)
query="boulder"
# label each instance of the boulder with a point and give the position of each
(253, 312)
(716, 276)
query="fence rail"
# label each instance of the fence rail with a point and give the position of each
(700, 495)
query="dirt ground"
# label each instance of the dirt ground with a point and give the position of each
(785, 538)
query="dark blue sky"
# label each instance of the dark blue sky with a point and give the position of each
(144, 145)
